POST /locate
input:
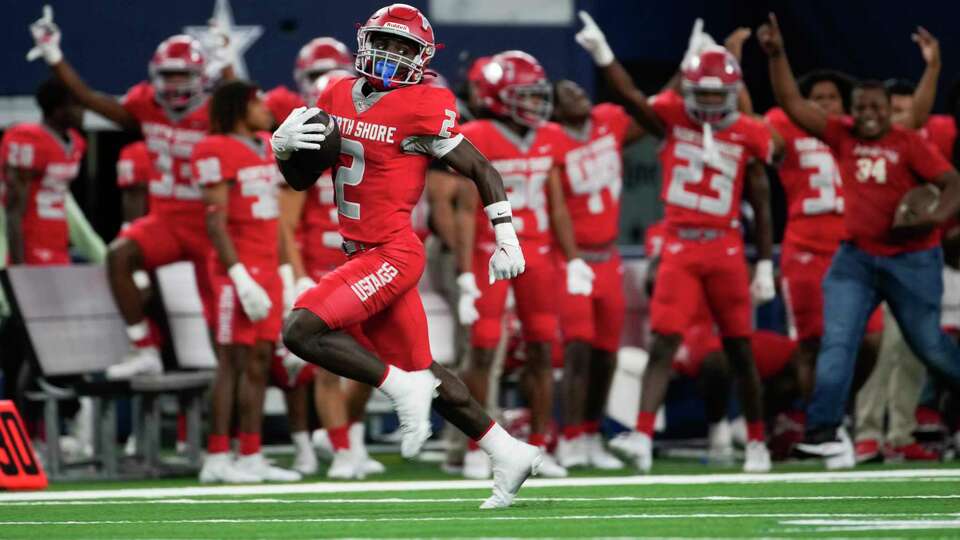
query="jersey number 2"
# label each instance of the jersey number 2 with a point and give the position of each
(349, 176)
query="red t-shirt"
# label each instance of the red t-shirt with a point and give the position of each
(524, 163)
(876, 175)
(941, 131)
(170, 138)
(281, 100)
(252, 208)
(697, 194)
(593, 175)
(34, 147)
(811, 181)
(381, 173)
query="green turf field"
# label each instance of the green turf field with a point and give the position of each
(415, 501)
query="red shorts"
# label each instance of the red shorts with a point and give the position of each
(802, 283)
(692, 272)
(167, 238)
(596, 319)
(34, 255)
(288, 375)
(534, 290)
(374, 297)
(231, 324)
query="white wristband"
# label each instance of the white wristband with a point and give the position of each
(764, 266)
(498, 209)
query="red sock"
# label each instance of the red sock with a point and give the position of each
(218, 444)
(339, 438)
(755, 431)
(572, 432)
(472, 445)
(537, 439)
(645, 421)
(249, 443)
(181, 427)
(591, 427)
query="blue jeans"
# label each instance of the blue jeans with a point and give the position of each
(912, 286)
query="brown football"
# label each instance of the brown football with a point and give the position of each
(318, 161)
(916, 204)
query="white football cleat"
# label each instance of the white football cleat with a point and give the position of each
(345, 466)
(549, 468)
(599, 457)
(757, 458)
(476, 465)
(720, 437)
(255, 464)
(139, 361)
(305, 462)
(412, 394)
(572, 452)
(510, 470)
(358, 444)
(636, 446)
(846, 458)
(219, 468)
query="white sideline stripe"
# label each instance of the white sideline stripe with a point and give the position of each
(842, 525)
(488, 517)
(394, 500)
(370, 487)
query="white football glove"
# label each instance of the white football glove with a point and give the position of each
(304, 284)
(469, 292)
(255, 301)
(289, 286)
(762, 289)
(592, 39)
(46, 39)
(699, 40)
(294, 134)
(507, 261)
(579, 277)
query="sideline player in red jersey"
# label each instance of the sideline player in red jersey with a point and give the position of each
(170, 111)
(391, 126)
(39, 162)
(525, 150)
(591, 325)
(878, 163)
(709, 149)
(235, 168)
(319, 56)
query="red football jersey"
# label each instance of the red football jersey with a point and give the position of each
(941, 131)
(319, 224)
(383, 154)
(654, 238)
(253, 209)
(281, 100)
(697, 194)
(593, 175)
(876, 174)
(170, 138)
(524, 163)
(135, 166)
(36, 148)
(811, 181)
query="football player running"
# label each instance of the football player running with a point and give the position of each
(707, 151)
(235, 168)
(897, 261)
(369, 307)
(170, 111)
(591, 325)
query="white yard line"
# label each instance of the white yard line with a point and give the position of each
(952, 475)
(843, 525)
(445, 500)
(794, 518)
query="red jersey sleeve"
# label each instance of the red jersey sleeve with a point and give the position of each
(134, 166)
(22, 150)
(760, 141)
(210, 163)
(924, 159)
(778, 119)
(941, 130)
(668, 105)
(618, 118)
(138, 100)
(837, 130)
(281, 101)
(436, 114)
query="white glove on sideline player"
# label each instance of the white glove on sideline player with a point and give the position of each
(592, 39)
(469, 292)
(762, 289)
(699, 40)
(255, 301)
(303, 285)
(46, 39)
(295, 134)
(579, 277)
(507, 261)
(289, 286)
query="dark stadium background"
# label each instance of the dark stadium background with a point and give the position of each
(110, 42)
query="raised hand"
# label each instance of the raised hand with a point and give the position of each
(592, 39)
(734, 42)
(770, 38)
(46, 39)
(929, 46)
